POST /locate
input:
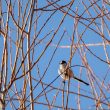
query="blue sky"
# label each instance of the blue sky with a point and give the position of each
(99, 68)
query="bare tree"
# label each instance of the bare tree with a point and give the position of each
(35, 35)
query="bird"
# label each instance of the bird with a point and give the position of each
(66, 73)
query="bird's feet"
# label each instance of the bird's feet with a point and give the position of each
(63, 81)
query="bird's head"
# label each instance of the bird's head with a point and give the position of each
(63, 62)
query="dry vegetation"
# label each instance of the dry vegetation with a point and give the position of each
(25, 37)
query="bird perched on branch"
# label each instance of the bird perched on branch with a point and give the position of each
(66, 73)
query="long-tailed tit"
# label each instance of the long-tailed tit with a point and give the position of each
(66, 72)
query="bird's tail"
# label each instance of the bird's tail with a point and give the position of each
(80, 80)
